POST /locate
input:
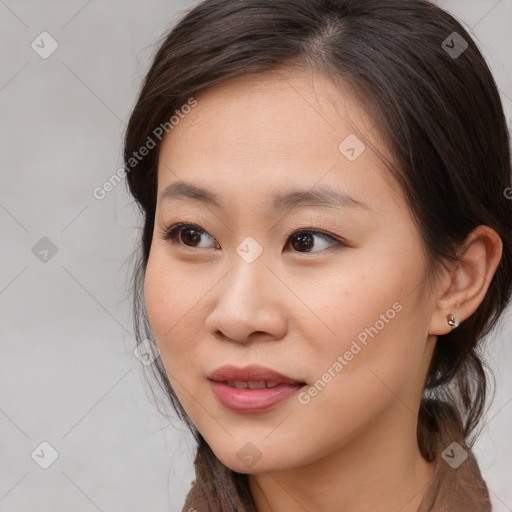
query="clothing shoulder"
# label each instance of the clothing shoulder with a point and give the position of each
(194, 502)
(456, 488)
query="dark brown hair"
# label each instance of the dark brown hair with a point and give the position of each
(439, 114)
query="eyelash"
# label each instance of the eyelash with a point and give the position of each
(171, 233)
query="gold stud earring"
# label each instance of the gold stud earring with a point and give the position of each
(451, 321)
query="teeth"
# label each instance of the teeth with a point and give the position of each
(237, 384)
(257, 384)
(252, 384)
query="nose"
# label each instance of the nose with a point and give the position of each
(248, 305)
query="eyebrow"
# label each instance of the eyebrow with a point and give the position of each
(320, 195)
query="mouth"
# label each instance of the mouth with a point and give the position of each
(252, 384)
(252, 377)
(253, 388)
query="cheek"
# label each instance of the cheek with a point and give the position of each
(158, 298)
(353, 301)
(372, 321)
(170, 304)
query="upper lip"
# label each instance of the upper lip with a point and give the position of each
(250, 373)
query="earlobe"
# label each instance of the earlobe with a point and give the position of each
(452, 322)
(464, 288)
(443, 325)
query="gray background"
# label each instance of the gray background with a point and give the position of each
(68, 375)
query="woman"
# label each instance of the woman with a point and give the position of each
(326, 240)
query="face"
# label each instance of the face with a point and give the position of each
(326, 291)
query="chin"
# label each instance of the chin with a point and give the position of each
(250, 460)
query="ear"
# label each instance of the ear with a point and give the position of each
(461, 290)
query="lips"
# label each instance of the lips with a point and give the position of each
(251, 389)
(253, 375)
(252, 384)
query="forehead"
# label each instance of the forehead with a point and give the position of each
(259, 133)
(276, 110)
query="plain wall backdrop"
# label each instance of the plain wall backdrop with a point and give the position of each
(68, 375)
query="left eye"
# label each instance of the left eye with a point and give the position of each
(301, 241)
(305, 240)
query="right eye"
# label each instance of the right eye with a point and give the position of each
(186, 234)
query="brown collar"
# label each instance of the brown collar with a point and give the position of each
(457, 484)
(455, 487)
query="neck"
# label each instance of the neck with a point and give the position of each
(379, 470)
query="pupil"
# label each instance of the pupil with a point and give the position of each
(305, 241)
(195, 237)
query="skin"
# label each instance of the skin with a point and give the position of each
(296, 311)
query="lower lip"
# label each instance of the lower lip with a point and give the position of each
(252, 400)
